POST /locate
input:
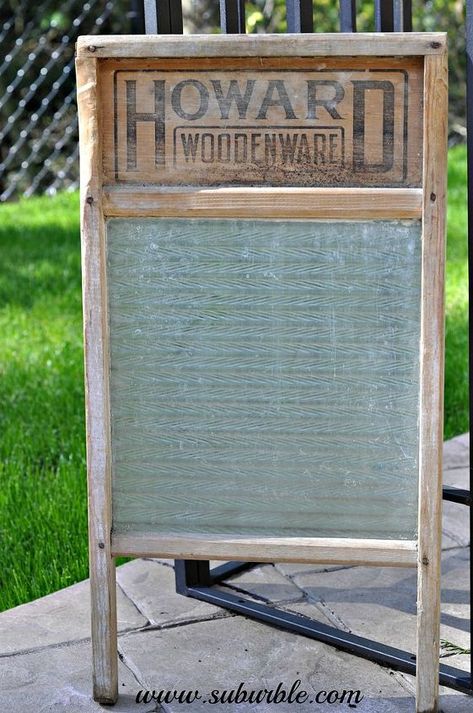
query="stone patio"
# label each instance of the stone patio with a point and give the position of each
(169, 642)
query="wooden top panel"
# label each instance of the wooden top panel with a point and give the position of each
(287, 45)
(272, 122)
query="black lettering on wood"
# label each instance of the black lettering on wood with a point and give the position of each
(132, 118)
(359, 124)
(328, 104)
(278, 86)
(176, 99)
(233, 95)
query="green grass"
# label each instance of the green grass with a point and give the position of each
(456, 341)
(42, 453)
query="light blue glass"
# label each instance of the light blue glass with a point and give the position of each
(265, 376)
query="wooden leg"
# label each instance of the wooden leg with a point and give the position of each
(428, 635)
(432, 387)
(104, 629)
(102, 564)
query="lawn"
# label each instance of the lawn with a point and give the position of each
(456, 361)
(42, 445)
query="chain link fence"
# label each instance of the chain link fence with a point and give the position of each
(38, 117)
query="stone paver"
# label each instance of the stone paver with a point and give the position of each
(234, 650)
(455, 517)
(57, 682)
(151, 586)
(172, 642)
(60, 617)
(266, 583)
(455, 452)
(456, 473)
(289, 569)
(381, 602)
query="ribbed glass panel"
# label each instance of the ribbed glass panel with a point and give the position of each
(265, 376)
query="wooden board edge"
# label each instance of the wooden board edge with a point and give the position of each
(432, 381)
(287, 45)
(102, 566)
(397, 553)
(330, 203)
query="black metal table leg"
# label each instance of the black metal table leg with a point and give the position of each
(195, 579)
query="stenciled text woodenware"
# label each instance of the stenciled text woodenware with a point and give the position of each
(263, 256)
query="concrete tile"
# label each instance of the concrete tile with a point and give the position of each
(221, 654)
(456, 474)
(216, 563)
(455, 603)
(376, 602)
(460, 661)
(59, 681)
(169, 563)
(380, 602)
(454, 702)
(457, 477)
(57, 618)
(151, 586)
(300, 606)
(317, 612)
(449, 542)
(450, 701)
(455, 519)
(185, 657)
(289, 569)
(456, 452)
(265, 582)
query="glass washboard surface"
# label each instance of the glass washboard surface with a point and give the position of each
(264, 376)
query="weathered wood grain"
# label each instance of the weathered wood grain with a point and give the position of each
(432, 377)
(328, 203)
(306, 123)
(402, 553)
(287, 45)
(102, 566)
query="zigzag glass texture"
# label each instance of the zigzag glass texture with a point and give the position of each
(265, 376)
